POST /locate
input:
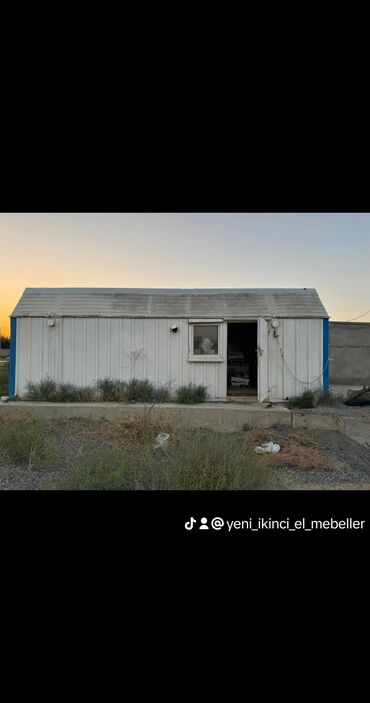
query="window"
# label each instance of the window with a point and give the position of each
(204, 340)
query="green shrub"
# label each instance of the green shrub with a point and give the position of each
(162, 394)
(67, 393)
(111, 389)
(310, 399)
(45, 390)
(86, 394)
(140, 391)
(48, 390)
(191, 393)
(133, 391)
(106, 389)
(306, 400)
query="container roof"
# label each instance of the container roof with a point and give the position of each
(227, 303)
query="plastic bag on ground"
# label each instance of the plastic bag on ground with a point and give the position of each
(161, 440)
(268, 448)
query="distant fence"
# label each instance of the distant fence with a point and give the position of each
(350, 353)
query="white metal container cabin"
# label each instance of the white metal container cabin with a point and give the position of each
(277, 339)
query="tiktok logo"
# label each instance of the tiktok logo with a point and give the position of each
(189, 525)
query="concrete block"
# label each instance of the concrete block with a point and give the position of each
(357, 427)
(216, 416)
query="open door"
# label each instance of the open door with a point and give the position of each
(262, 357)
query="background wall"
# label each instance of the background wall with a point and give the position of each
(350, 351)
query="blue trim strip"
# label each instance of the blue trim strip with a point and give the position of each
(325, 360)
(13, 346)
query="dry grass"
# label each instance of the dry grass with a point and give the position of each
(11, 417)
(255, 437)
(126, 432)
(24, 439)
(120, 455)
(297, 449)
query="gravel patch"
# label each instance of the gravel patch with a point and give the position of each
(340, 409)
(18, 477)
(355, 475)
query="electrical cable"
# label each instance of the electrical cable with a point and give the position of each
(357, 318)
(306, 383)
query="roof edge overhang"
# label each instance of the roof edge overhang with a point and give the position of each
(229, 318)
(28, 304)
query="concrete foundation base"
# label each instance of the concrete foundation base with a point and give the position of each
(217, 416)
(223, 417)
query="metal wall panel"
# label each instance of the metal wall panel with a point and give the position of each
(295, 358)
(82, 350)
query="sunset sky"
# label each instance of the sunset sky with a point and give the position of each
(329, 252)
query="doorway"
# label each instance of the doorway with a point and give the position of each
(242, 369)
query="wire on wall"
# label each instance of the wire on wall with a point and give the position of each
(305, 383)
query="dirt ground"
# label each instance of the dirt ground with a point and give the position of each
(339, 449)
(349, 462)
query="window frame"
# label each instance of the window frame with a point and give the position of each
(205, 357)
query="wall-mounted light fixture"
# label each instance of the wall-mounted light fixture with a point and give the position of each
(174, 328)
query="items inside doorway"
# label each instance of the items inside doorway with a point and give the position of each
(238, 369)
(242, 358)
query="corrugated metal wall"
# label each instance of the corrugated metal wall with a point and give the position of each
(301, 344)
(81, 350)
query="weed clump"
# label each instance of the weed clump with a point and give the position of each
(53, 392)
(25, 440)
(306, 400)
(106, 390)
(111, 390)
(47, 389)
(191, 393)
(311, 399)
(327, 398)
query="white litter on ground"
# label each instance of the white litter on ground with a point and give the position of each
(161, 440)
(268, 448)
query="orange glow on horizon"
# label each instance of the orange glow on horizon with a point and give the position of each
(8, 301)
